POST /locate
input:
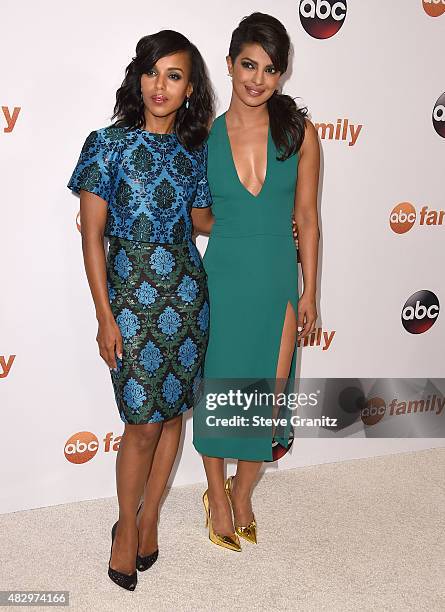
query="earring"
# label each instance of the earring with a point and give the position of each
(187, 103)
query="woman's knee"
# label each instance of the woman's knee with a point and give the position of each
(173, 423)
(144, 434)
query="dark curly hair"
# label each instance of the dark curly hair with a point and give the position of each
(287, 121)
(192, 124)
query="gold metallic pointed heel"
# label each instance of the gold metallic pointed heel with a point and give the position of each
(249, 531)
(231, 542)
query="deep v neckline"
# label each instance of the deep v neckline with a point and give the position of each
(268, 153)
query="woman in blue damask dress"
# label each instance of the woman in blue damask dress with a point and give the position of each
(138, 180)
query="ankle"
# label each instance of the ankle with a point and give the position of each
(240, 491)
(149, 514)
(217, 495)
(126, 524)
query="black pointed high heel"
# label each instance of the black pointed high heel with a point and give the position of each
(144, 563)
(126, 581)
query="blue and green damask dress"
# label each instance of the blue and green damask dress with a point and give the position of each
(157, 284)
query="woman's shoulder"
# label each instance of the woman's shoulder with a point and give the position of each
(218, 122)
(217, 129)
(112, 134)
(105, 142)
(198, 154)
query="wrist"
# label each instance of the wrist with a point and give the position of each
(309, 294)
(104, 316)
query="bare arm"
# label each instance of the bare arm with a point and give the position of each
(93, 215)
(306, 224)
(203, 220)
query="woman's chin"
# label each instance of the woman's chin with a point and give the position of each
(253, 101)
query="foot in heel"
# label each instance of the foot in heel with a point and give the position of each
(126, 581)
(247, 530)
(144, 562)
(227, 541)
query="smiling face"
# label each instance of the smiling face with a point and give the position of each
(167, 84)
(254, 77)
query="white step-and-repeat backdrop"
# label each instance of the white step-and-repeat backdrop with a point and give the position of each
(371, 74)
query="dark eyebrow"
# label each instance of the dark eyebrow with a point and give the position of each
(256, 63)
(180, 69)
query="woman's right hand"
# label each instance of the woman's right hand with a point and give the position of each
(109, 339)
(203, 220)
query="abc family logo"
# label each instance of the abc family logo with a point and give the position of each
(439, 116)
(319, 338)
(345, 130)
(83, 446)
(420, 312)
(403, 216)
(434, 8)
(322, 18)
(375, 408)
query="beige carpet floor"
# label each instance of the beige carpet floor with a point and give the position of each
(365, 535)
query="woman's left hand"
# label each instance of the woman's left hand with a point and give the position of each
(307, 315)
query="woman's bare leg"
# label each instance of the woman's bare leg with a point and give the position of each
(247, 471)
(133, 463)
(161, 467)
(219, 504)
(246, 475)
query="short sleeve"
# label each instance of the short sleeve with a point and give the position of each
(203, 198)
(93, 170)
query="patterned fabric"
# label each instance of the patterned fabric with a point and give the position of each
(158, 296)
(157, 284)
(150, 182)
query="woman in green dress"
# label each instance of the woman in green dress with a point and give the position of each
(263, 168)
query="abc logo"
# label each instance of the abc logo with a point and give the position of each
(420, 312)
(278, 451)
(81, 447)
(439, 116)
(322, 18)
(373, 411)
(434, 8)
(402, 217)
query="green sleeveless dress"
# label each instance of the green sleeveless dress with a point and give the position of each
(251, 264)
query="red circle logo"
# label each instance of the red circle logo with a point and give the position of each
(322, 18)
(434, 8)
(373, 410)
(402, 217)
(278, 450)
(81, 447)
(420, 312)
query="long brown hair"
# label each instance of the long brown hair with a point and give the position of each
(287, 121)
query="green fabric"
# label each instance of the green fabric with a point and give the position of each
(251, 264)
